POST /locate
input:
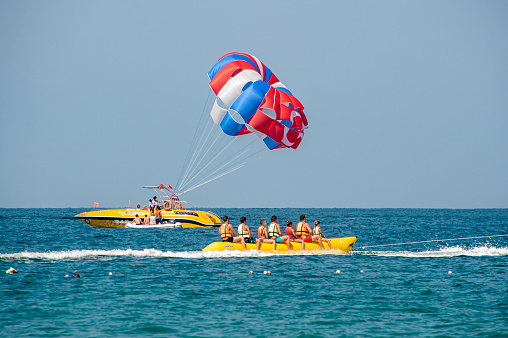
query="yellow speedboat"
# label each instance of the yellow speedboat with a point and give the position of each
(172, 213)
(343, 245)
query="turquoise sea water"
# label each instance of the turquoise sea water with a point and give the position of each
(162, 284)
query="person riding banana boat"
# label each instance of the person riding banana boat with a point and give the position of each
(225, 233)
(317, 231)
(275, 233)
(244, 230)
(291, 233)
(304, 232)
(263, 236)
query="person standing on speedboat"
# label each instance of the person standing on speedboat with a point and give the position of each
(275, 233)
(263, 236)
(225, 233)
(158, 216)
(154, 202)
(152, 217)
(244, 230)
(317, 231)
(304, 232)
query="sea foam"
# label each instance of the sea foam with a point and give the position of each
(454, 251)
(84, 254)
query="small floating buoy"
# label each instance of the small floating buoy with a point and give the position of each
(110, 273)
(267, 272)
(251, 272)
(338, 271)
(361, 271)
(450, 272)
(11, 270)
(66, 276)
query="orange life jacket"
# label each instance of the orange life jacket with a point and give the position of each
(261, 232)
(301, 231)
(225, 232)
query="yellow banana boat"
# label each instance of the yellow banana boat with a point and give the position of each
(343, 245)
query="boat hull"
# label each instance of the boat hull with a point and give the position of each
(118, 218)
(154, 226)
(340, 244)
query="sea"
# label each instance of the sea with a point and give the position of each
(412, 272)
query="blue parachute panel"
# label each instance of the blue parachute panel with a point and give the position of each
(248, 102)
(229, 126)
(285, 90)
(271, 144)
(230, 58)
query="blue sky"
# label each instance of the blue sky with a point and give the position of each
(407, 101)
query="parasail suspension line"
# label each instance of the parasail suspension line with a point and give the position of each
(194, 139)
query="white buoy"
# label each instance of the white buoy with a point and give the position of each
(361, 271)
(265, 272)
(110, 273)
(450, 272)
(338, 271)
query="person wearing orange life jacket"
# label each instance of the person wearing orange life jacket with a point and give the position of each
(244, 230)
(263, 236)
(225, 233)
(275, 233)
(304, 232)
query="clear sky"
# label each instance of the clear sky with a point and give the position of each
(407, 101)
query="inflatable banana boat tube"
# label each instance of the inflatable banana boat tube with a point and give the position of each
(342, 244)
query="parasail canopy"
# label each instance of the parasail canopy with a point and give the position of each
(248, 100)
(251, 99)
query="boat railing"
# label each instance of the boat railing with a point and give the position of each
(172, 199)
(189, 203)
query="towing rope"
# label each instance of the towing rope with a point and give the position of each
(433, 240)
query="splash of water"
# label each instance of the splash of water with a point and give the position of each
(454, 251)
(83, 254)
